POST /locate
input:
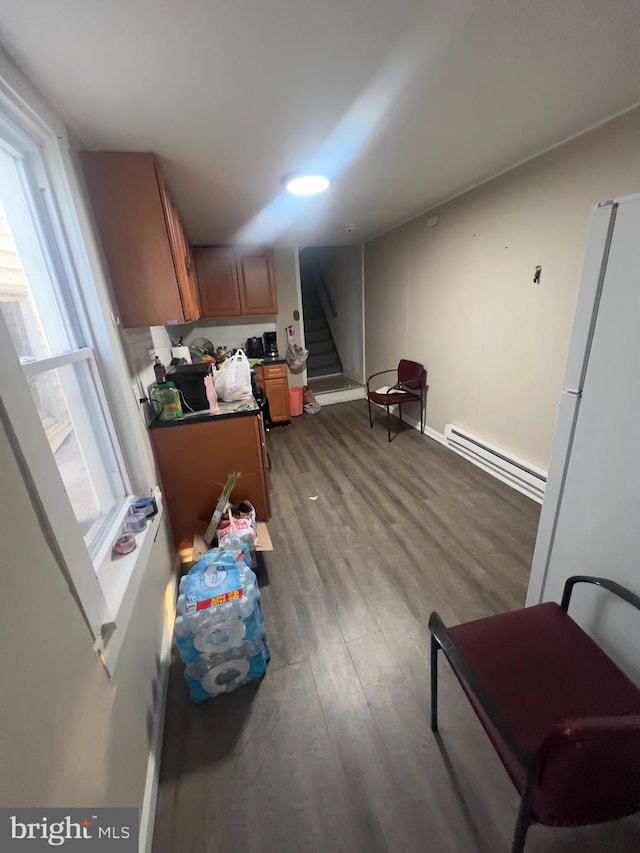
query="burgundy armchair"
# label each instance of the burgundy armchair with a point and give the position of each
(410, 387)
(563, 718)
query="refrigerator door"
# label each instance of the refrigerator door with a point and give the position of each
(599, 235)
(597, 529)
(560, 456)
(593, 272)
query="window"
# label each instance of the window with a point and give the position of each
(42, 309)
(60, 362)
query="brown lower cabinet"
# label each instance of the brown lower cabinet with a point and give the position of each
(274, 381)
(194, 460)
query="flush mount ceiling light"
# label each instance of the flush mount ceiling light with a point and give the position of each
(305, 184)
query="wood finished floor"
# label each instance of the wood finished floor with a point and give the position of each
(332, 751)
(338, 382)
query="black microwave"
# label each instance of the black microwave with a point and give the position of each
(189, 380)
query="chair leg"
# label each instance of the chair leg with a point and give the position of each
(422, 408)
(434, 683)
(370, 418)
(388, 423)
(523, 823)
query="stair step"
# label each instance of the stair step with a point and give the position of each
(324, 360)
(312, 336)
(314, 324)
(313, 314)
(317, 372)
(320, 347)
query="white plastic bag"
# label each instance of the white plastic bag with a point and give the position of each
(295, 356)
(234, 532)
(233, 380)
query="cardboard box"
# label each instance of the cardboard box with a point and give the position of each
(199, 549)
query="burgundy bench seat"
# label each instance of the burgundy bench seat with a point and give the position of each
(562, 716)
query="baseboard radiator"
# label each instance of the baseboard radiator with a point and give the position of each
(519, 475)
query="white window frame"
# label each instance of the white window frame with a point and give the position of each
(40, 472)
(59, 295)
(105, 593)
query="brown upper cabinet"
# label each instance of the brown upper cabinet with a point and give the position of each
(148, 256)
(235, 282)
(218, 282)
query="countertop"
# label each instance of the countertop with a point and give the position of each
(238, 409)
(267, 361)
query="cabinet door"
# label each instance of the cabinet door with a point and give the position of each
(179, 251)
(277, 391)
(257, 282)
(186, 278)
(217, 282)
(131, 222)
(193, 280)
(195, 459)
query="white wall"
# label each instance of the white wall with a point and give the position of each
(289, 300)
(459, 297)
(230, 333)
(70, 736)
(139, 345)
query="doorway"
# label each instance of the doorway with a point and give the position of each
(333, 310)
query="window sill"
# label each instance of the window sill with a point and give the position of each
(120, 579)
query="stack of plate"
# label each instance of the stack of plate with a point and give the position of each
(201, 349)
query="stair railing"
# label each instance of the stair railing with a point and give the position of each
(325, 295)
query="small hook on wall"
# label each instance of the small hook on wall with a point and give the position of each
(537, 274)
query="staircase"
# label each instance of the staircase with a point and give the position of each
(323, 357)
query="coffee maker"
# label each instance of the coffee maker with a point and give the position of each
(270, 346)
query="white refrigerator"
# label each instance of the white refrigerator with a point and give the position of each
(590, 519)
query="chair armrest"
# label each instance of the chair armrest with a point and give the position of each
(579, 730)
(462, 667)
(612, 586)
(590, 728)
(379, 373)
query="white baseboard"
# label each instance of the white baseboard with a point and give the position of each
(521, 475)
(328, 398)
(479, 463)
(432, 433)
(428, 431)
(150, 801)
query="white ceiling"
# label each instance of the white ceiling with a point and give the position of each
(404, 102)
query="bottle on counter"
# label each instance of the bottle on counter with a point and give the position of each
(160, 372)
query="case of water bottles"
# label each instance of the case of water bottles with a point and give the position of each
(219, 628)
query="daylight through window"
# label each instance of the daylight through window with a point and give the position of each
(43, 314)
